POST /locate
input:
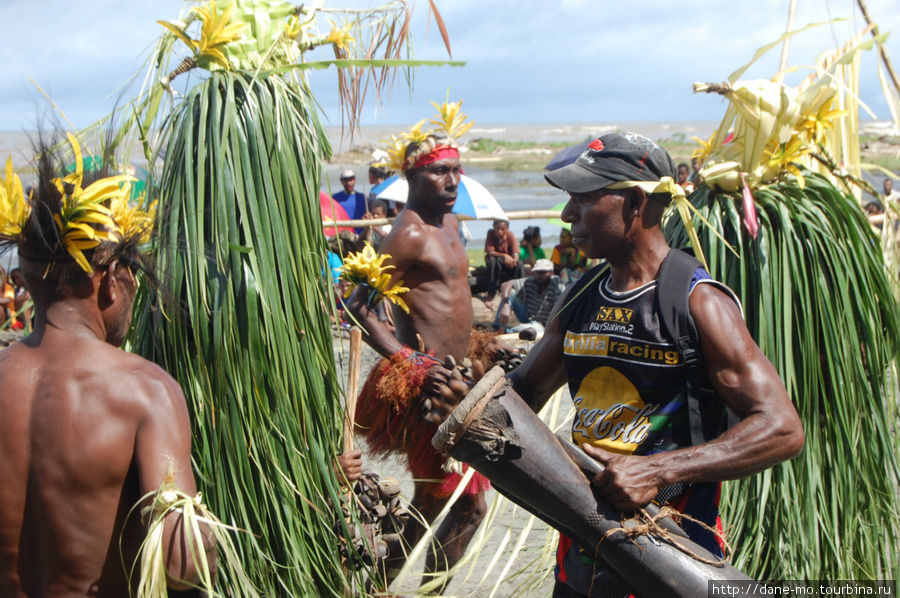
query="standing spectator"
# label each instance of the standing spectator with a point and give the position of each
(530, 249)
(889, 193)
(501, 258)
(352, 201)
(21, 298)
(568, 261)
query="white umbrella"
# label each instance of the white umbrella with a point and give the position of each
(472, 198)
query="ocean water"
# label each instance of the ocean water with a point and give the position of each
(514, 190)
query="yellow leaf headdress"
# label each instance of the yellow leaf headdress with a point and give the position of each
(450, 121)
(84, 216)
(14, 208)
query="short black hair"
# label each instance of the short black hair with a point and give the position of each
(379, 172)
(531, 232)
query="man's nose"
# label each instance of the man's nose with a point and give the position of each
(569, 212)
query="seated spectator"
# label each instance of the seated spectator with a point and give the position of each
(568, 261)
(530, 249)
(23, 319)
(531, 298)
(7, 299)
(501, 258)
(684, 178)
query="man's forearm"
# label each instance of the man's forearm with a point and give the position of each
(375, 333)
(757, 443)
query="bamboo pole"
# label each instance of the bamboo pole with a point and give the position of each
(352, 386)
(519, 215)
(881, 49)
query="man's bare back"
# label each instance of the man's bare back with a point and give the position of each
(432, 262)
(85, 430)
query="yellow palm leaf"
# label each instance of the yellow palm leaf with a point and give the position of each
(180, 33)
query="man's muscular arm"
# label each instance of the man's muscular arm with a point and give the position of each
(163, 445)
(403, 245)
(769, 432)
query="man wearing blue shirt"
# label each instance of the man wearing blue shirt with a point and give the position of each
(352, 201)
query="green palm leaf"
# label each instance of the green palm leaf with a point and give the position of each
(241, 252)
(818, 302)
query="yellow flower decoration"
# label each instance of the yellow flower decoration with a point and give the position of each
(367, 268)
(702, 152)
(293, 27)
(340, 36)
(131, 219)
(451, 119)
(84, 221)
(784, 157)
(815, 124)
(395, 148)
(217, 31)
(14, 209)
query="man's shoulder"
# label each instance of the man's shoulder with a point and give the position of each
(146, 381)
(339, 196)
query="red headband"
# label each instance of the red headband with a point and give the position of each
(441, 152)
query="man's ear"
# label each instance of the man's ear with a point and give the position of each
(637, 200)
(109, 284)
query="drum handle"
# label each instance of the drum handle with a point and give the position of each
(591, 468)
(468, 409)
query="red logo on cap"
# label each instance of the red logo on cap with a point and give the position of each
(596, 145)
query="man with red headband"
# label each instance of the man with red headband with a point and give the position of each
(428, 256)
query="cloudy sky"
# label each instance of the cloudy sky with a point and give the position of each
(527, 61)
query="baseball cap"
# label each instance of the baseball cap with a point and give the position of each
(613, 158)
(542, 265)
(348, 174)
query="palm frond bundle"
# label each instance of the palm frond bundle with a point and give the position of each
(244, 323)
(784, 230)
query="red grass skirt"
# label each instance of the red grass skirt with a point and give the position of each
(389, 415)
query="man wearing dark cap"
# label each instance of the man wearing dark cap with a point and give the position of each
(629, 381)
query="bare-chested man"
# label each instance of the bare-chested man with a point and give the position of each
(429, 258)
(86, 429)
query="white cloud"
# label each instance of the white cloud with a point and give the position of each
(541, 61)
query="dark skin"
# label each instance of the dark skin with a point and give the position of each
(623, 227)
(430, 259)
(86, 430)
